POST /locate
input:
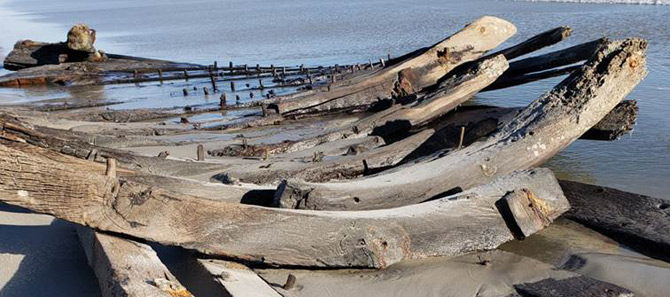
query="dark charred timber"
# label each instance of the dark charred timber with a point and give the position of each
(71, 189)
(507, 81)
(578, 286)
(568, 56)
(361, 91)
(637, 221)
(620, 120)
(545, 127)
(536, 43)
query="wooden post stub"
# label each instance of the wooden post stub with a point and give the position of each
(185, 92)
(251, 95)
(212, 78)
(372, 66)
(260, 84)
(388, 56)
(460, 140)
(290, 282)
(264, 109)
(381, 61)
(160, 75)
(244, 143)
(222, 99)
(206, 90)
(237, 99)
(92, 154)
(230, 66)
(111, 167)
(232, 86)
(185, 75)
(266, 154)
(216, 66)
(201, 152)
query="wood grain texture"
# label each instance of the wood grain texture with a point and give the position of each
(546, 126)
(71, 189)
(128, 268)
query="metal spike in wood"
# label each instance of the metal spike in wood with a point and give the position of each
(460, 141)
(111, 167)
(237, 99)
(381, 61)
(160, 75)
(185, 75)
(246, 69)
(201, 152)
(302, 68)
(283, 71)
(244, 143)
(260, 84)
(230, 66)
(232, 86)
(372, 66)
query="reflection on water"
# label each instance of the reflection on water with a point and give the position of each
(349, 31)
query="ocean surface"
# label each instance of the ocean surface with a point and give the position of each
(349, 31)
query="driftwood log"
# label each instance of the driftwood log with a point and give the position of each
(545, 127)
(428, 66)
(478, 219)
(128, 268)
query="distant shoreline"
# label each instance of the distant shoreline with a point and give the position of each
(628, 2)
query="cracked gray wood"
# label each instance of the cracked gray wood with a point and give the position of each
(71, 189)
(546, 126)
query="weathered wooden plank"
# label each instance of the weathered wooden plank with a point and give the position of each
(564, 57)
(638, 221)
(70, 189)
(466, 45)
(398, 119)
(351, 165)
(579, 286)
(545, 127)
(128, 268)
(537, 42)
(237, 279)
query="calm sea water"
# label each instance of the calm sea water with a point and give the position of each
(328, 32)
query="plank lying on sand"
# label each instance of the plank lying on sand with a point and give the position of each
(430, 65)
(546, 126)
(128, 268)
(70, 189)
(638, 221)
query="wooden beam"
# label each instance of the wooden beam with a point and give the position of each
(430, 65)
(128, 268)
(536, 42)
(564, 57)
(70, 189)
(637, 221)
(546, 126)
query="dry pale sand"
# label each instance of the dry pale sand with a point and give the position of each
(40, 256)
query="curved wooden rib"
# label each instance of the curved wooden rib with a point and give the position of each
(470, 43)
(72, 189)
(545, 127)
